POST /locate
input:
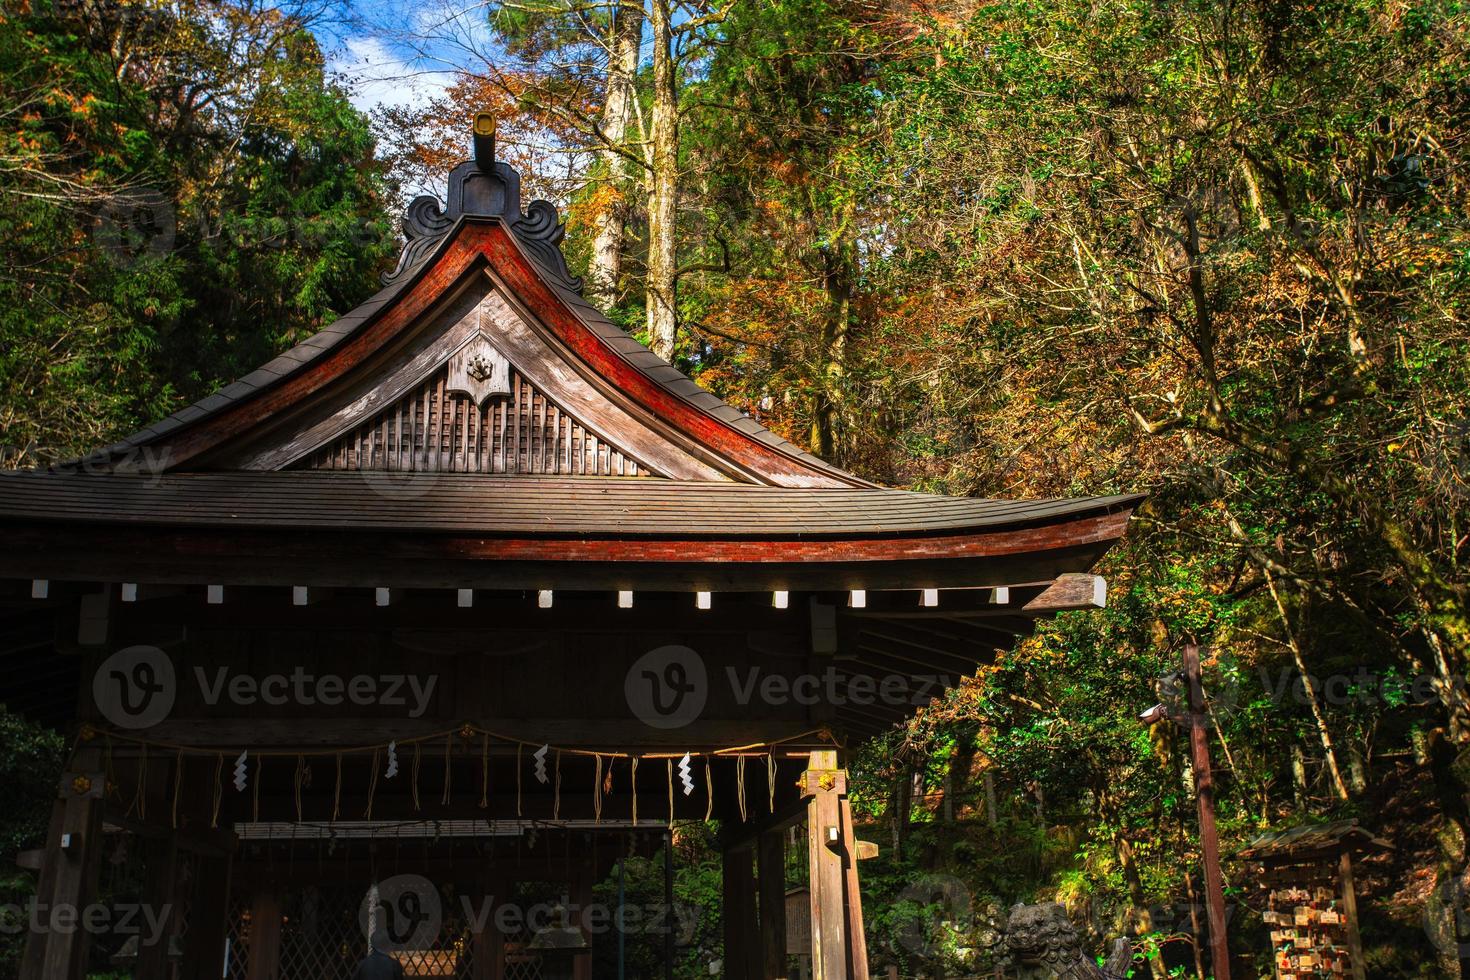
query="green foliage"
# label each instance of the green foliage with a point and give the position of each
(30, 760)
(164, 239)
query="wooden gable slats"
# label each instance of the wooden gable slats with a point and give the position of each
(430, 428)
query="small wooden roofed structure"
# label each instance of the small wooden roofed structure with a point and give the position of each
(1311, 897)
(475, 479)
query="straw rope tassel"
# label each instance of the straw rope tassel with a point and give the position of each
(485, 771)
(669, 764)
(337, 791)
(518, 778)
(448, 768)
(372, 786)
(219, 790)
(740, 784)
(633, 785)
(417, 758)
(108, 773)
(255, 802)
(709, 792)
(597, 790)
(771, 778)
(300, 768)
(178, 782)
(556, 790)
(140, 798)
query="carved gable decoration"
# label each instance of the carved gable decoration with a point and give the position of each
(429, 428)
(478, 371)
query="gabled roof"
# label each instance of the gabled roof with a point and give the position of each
(480, 234)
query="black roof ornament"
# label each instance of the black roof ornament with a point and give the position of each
(484, 141)
(488, 188)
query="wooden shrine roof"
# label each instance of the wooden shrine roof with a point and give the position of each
(1312, 839)
(489, 504)
(479, 422)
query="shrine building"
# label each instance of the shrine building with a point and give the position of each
(470, 596)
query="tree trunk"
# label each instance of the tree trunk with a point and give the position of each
(664, 188)
(1142, 919)
(625, 38)
(903, 792)
(1323, 734)
(837, 259)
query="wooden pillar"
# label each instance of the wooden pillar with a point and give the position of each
(1350, 912)
(68, 875)
(824, 785)
(161, 894)
(35, 951)
(209, 919)
(771, 881)
(582, 899)
(857, 938)
(492, 940)
(265, 936)
(742, 956)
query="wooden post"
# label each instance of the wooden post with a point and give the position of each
(70, 872)
(742, 957)
(209, 920)
(160, 891)
(265, 936)
(1350, 911)
(1204, 785)
(857, 942)
(823, 784)
(582, 898)
(771, 880)
(35, 951)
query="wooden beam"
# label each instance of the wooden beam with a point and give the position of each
(239, 556)
(1071, 591)
(318, 732)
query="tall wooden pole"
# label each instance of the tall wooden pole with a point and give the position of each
(669, 903)
(1204, 786)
